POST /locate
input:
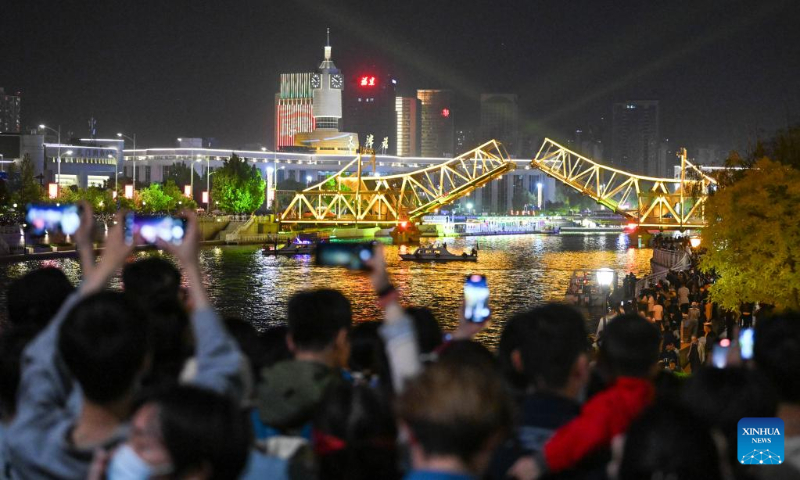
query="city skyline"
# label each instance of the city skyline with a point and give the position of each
(163, 72)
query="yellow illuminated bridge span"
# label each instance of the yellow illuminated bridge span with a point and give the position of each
(348, 197)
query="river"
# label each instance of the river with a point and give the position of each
(521, 270)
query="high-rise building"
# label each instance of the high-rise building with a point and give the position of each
(408, 112)
(293, 108)
(466, 140)
(635, 136)
(9, 112)
(437, 123)
(500, 121)
(369, 109)
(326, 87)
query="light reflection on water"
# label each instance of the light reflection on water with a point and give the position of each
(521, 270)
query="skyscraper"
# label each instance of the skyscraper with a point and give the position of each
(9, 113)
(635, 136)
(327, 88)
(369, 108)
(500, 121)
(408, 112)
(437, 123)
(293, 108)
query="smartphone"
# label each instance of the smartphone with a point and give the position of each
(351, 255)
(64, 219)
(746, 340)
(719, 357)
(476, 298)
(152, 227)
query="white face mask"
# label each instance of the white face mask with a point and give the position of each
(127, 465)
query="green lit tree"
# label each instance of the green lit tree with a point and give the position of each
(237, 187)
(28, 189)
(153, 199)
(181, 201)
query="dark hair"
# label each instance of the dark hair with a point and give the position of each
(170, 342)
(151, 281)
(552, 337)
(367, 352)
(103, 342)
(361, 418)
(12, 343)
(666, 442)
(454, 409)
(202, 428)
(511, 341)
(429, 333)
(629, 346)
(471, 353)
(777, 353)
(249, 342)
(36, 297)
(316, 317)
(274, 347)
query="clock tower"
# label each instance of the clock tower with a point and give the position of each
(327, 88)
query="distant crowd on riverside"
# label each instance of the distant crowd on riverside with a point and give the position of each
(150, 382)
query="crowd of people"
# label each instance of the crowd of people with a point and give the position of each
(151, 383)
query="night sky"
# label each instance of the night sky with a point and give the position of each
(725, 72)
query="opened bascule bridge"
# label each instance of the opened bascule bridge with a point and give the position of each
(351, 196)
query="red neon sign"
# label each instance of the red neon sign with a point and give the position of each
(445, 112)
(367, 81)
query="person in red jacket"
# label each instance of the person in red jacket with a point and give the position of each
(629, 351)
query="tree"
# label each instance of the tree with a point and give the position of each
(753, 237)
(28, 190)
(172, 191)
(153, 200)
(180, 174)
(238, 187)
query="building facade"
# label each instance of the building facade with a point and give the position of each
(636, 137)
(437, 130)
(10, 107)
(500, 121)
(408, 121)
(293, 108)
(369, 109)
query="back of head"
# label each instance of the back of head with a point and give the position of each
(367, 353)
(777, 353)
(104, 341)
(274, 347)
(455, 410)
(668, 442)
(511, 344)
(354, 434)
(429, 333)
(551, 338)
(469, 353)
(35, 298)
(170, 343)
(203, 430)
(12, 343)
(630, 346)
(151, 281)
(315, 318)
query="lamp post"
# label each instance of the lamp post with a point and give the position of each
(58, 159)
(121, 135)
(605, 276)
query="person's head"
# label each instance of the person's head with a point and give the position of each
(354, 434)
(694, 339)
(553, 346)
(185, 432)
(319, 323)
(509, 355)
(273, 346)
(171, 341)
(669, 347)
(151, 281)
(429, 333)
(777, 354)
(673, 365)
(629, 347)
(104, 343)
(665, 442)
(35, 298)
(457, 412)
(367, 354)
(12, 342)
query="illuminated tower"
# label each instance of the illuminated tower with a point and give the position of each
(326, 89)
(437, 123)
(293, 108)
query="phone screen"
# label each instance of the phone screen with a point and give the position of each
(719, 357)
(746, 338)
(153, 227)
(476, 298)
(351, 255)
(41, 219)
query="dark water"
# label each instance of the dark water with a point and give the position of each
(521, 270)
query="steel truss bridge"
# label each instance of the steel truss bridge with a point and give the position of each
(350, 197)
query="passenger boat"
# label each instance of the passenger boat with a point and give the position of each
(296, 247)
(439, 253)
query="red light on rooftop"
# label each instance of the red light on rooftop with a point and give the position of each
(631, 227)
(367, 81)
(445, 112)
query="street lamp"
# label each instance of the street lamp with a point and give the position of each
(121, 135)
(308, 180)
(58, 160)
(695, 242)
(469, 207)
(605, 276)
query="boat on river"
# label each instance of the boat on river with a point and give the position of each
(439, 253)
(295, 247)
